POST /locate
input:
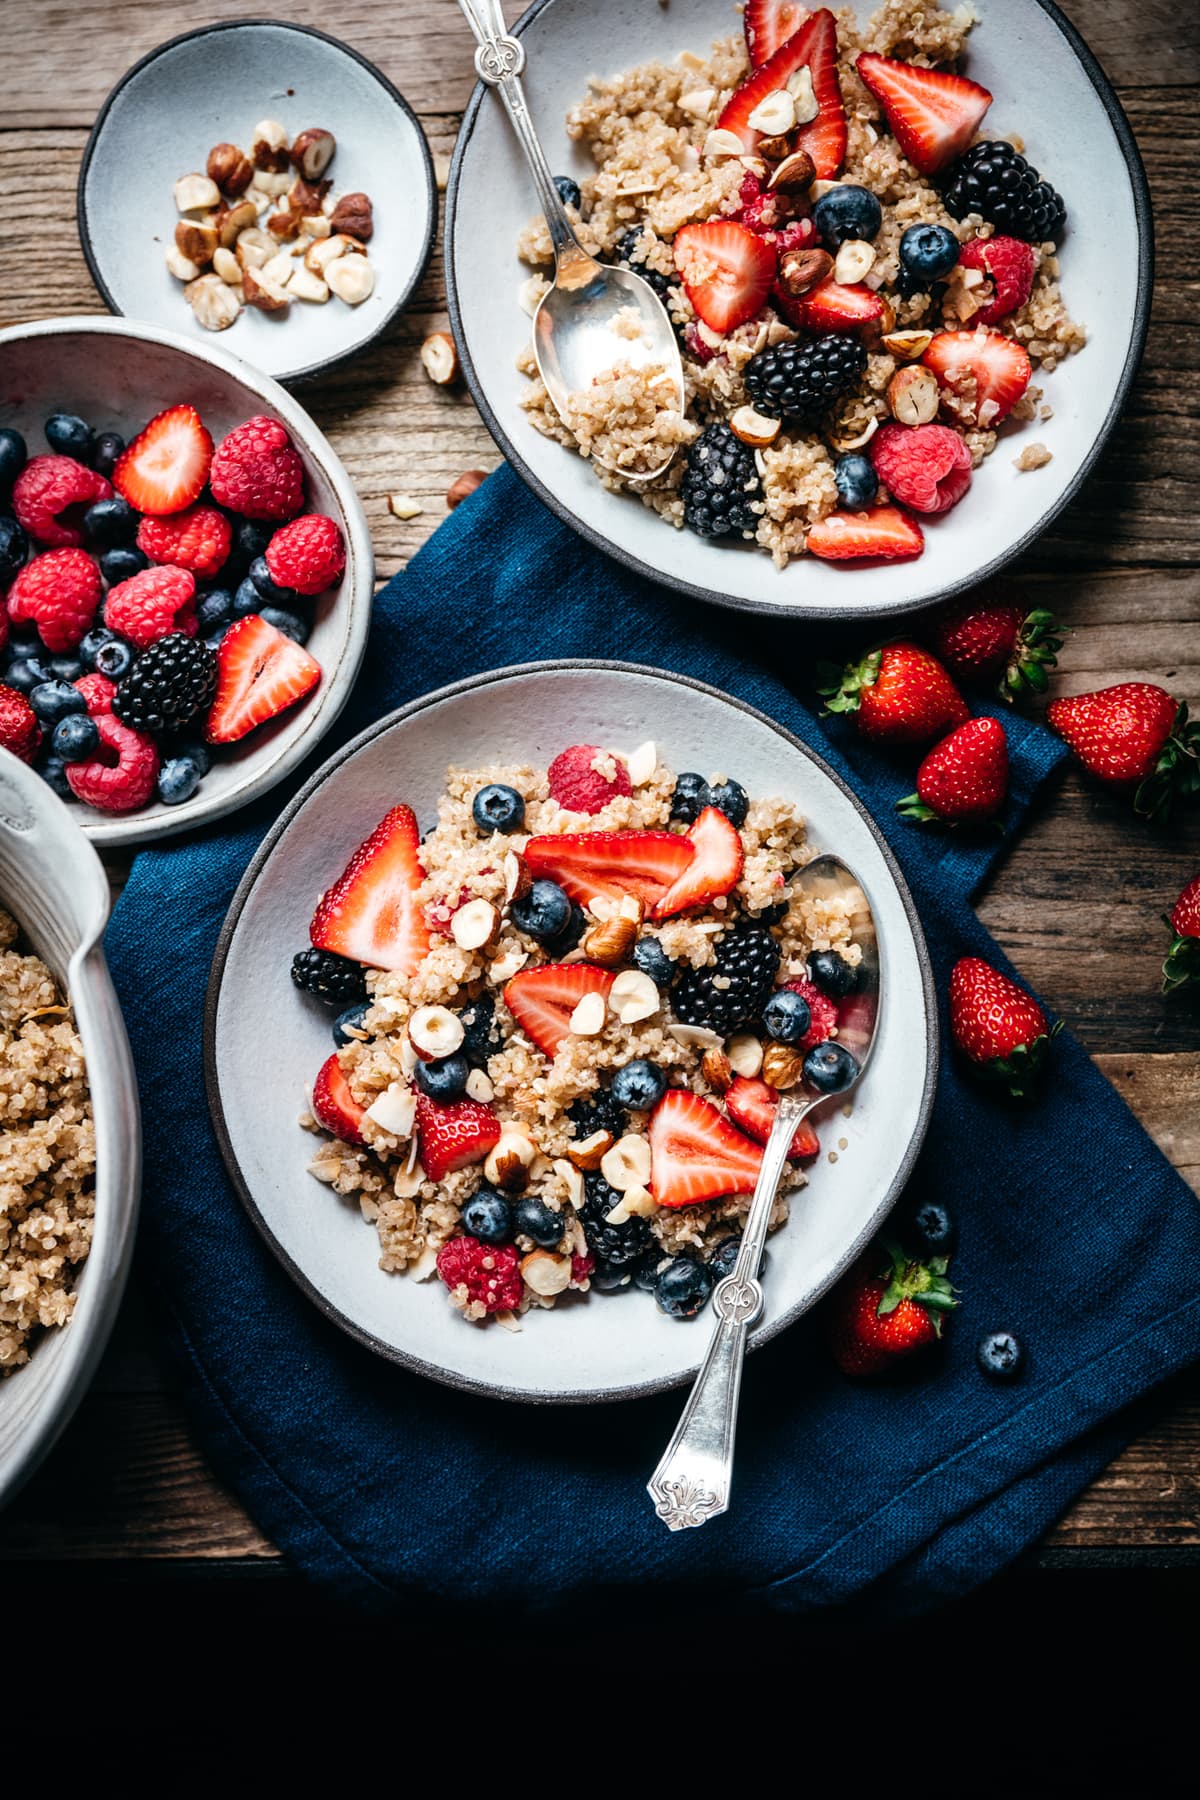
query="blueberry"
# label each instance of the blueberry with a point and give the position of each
(650, 957)
(829, 1068)
(1000, 1355)
(110, 522)
(480, 1039)
(23, 643)
(532, 1218)
(488, 1216)
(246, 600)
(723, 1260)
(260, 575)
(66, 668)
(290, 623)
(170, 746)
(543, 913)
(119, 564)
(213, 609)
(53, 772)
(832, 973)
(14, 547)
(91, 645)
(607, 1280)
(444, 1079)
(213, 640)
(114, 659)
(847, 212)
(639, 1086)
(683, 1287)
(857, 482)
(25, 675)
(730, 798)
(250, 539)
(690, 797)
(178, 779)
(787, 1016)
(52, 700)
(105, 451)
(934, 1226)
(75, 738)
(646, 1272)
(69, 435)
(570, 935)
(568, 191)
(349, 1024)
(928, 251)
(13, 456)
(498, 808)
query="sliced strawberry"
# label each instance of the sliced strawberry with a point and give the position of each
(607, 865)
(726, 271)
(933, 113)
(768, 24)
(883, 532)
(751, 1104)
(814, 45)
(715, 866)
(823, 1009)
(542, 1000)
(371, 914)
(334, 1105)
(455, 1136)
(695, 1153)
(166, 466)
(982, 374)
(829, 306)
(261, 673)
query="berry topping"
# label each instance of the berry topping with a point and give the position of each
(998, 1026)
(168, 685)
(982, 374)
(886, 1307)
(787, 1016)
(329, 976)
(927, 252)
(14, 548)
(814, 46)
(639, 1085)
(69, 435)
(857, 482)
(720, 485)
(927, 467)
(542, 1000)
(533, 1218)
(616, 1247)
(455, 1136)
(50, 497)
(20, 732)
(481, 1274)
(802, 380)
(488, 1216)
(995, 181)
(498, 807)
(696, 1154)
(307, 556)
(829, 1068)
(682, 1287)
(166, 466)
(444, 1079)
(610, 864)
(831, 307)
(727, 271)
(197, 539)
(1008, 264)
(543, 912)
(899, 695)
(933, 113)
(833, 975)
(97, 691)
(261, 672)
(964, 780)
(847, 211)
(256, 472)
(881, 533)
(371, 914)
(580, 787)
(334, 1106)
(751, 1104)
(108, 523)
(58, 592)
(150, 605)
(822, 1012)
(731, 990)
(123, 773)
(714, 868)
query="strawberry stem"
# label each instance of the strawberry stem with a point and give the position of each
(1034, 653)
(842, 688)
(1182, 965)
(1176, 774)
(924, 1283)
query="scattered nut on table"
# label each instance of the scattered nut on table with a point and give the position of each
(464, 486)
(439, 358)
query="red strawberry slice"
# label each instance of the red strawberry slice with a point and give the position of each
(751, 1104)
(166, 466)
(727, 271)
(370, 914)
(334, 1105)
(982, 374)
(823, 1009)
(261, 673)
(770, 23)
(933, 113)
(882, 532)
(607, 865)
(455, 1136)
(695, 1153)
(542, 1000)
(830, 306)
(814, 45)
(713, 870)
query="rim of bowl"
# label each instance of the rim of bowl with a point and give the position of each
(407, 1359)
(821, 609)
(310, 370)
(358, 581)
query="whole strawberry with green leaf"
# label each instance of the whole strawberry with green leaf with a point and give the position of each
(898, 694)
(885, 1308)
(997, 644)
(964, 779)
(998, 1026)
(1137, 736)
(1183, 958)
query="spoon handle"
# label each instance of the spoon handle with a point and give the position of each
(691, 1484)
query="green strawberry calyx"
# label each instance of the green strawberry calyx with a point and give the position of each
(924, 1283)
(1176, 772)
(841, 688)
(1022, 1069)
(1034, 653)
(1182, 965)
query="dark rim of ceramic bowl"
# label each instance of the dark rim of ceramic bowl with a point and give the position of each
(310, 370)
(450, 1378)
(825, 610)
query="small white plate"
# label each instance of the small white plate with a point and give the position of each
(599, 1346)
(212, 86)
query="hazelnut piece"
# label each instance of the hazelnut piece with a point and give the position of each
(230, 168)
(439, 358)
(465, 486)
(913, 395)
(312, 153)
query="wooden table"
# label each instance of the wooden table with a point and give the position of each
(1076, 905)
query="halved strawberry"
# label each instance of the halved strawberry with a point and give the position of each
(933, 113)
(882, 532)
(261, 672)
(166, 466)
(751, 1104)
(727, 271)
(455, 1136)
(371, 914)
(334, 1106)
(607, 865)
(768, 24)
(542, 1000)
(982, 374)
(713, 870)
(830, 306)
(814, 45)
(695, 1153)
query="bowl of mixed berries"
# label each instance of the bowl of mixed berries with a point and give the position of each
(186, 575)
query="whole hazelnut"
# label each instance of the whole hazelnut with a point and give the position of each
(465, 485)
(353, 215)
(230, 168)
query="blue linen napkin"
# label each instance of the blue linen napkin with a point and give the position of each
(1073, 1229)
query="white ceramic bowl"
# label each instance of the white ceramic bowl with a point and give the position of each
(118, 374)
(604, 1346)
(52, 883)
(1047, 86)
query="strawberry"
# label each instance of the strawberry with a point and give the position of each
(695, 1153)
(900, 694)
(768, 24)
(610, 864)
(933, 113)
(371, 914)
(824, 1011)
(578, 786)
(993, 643)
(261, 673)
(1183, 957)
(998, 1026)
(927, 467)
(166, 466)
(727, 271)
(751, 1104)
(829, 306)
(20, 732)
(883, 533)
(715, 866)
(886, 1307)
(1134, 733)
(1008, 264)
(334, 1106)
(982, 374)
(455, 1136)
(964, 780)
(815, 46)
(542, 999)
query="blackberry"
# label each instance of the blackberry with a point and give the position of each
(747, 961)
(802, 381)
(480, 1036)
(995, 181)
(615, 1247)
(720, 485)
(629, 252)
(329, 976)
(171, 681)
(601, 1111)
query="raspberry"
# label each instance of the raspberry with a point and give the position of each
(151, 604)
(256, 472)
(197, 539)
(583, 1265)
(580, 788)
(19, 729)
(122, 774)
(796, 235)
(307, 555)
(927, 467)
(98, 691)
(824, 1013)
(59, 593)
(50, 496)
(1008, 264)
(490, 1275)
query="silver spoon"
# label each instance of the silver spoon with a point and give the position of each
(574, 339)
(691, 1484)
